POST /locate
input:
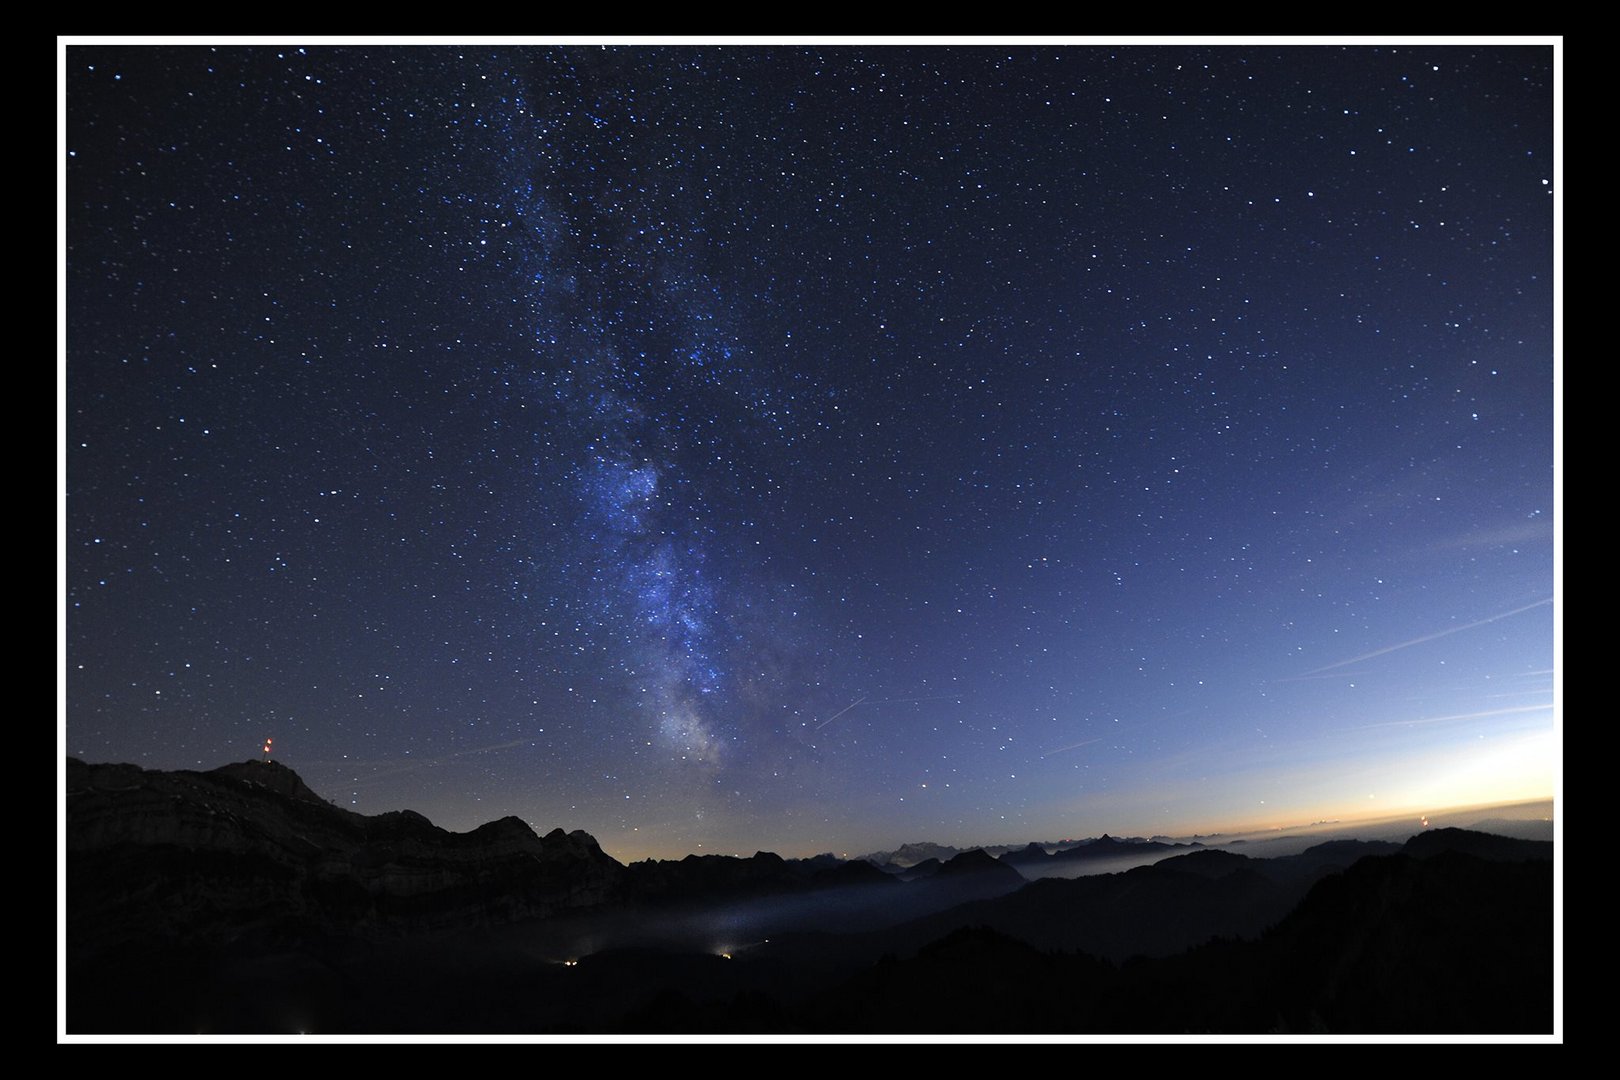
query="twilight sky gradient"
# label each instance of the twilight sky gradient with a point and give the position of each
(816, 448)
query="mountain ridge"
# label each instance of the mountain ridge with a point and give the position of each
(253, 896)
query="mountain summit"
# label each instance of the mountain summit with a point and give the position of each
(248, 848)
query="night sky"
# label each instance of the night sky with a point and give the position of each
(816, 448)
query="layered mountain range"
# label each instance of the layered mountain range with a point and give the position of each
(237, 899)
(189, 856)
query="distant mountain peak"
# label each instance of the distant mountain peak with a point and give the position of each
(976, 861)
(1479, 844)
(272, 775)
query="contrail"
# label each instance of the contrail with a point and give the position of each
(1071, 746)
(864, 700)
(840, 712)
(1430, 637)
(1458, 716)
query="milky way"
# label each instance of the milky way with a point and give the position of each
(816, 448)
(667, 411)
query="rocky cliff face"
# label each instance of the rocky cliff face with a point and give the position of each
(248, 850)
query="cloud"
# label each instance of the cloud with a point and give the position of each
(1518, 532)
(1458, 716)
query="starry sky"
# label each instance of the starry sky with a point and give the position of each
(816, 448)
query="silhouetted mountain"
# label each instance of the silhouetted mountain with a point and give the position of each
(978, 863)
(1521, 828)
(1106, 846)
(1316, 862)
(239, 900)
(912, 854)
(971, 875)
(1146, 911)
(248, 848)
(1209, 862)
(1448, 944)
(1481, 845)
(825, 861)
(681, 880)
(1030, 855)
(925, 869)
(842, 874)
(272, 776)
(1348, 851)
(1444, 943)
(707, 878)
(972, 980)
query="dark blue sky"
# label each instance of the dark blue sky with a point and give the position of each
(812, 448)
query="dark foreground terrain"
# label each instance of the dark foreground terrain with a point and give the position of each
(237, 900)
